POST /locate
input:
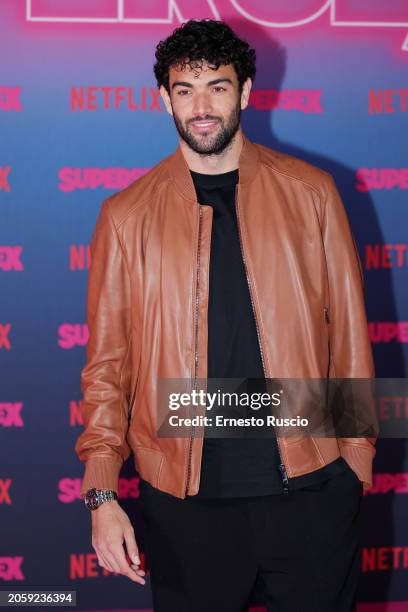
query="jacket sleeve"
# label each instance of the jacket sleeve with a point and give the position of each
(105, 378)
(350, 346)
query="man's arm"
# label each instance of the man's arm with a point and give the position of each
(105, 379)
(350, 346)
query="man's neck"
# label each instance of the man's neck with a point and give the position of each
(214, 164)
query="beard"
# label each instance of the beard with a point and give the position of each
(214, 144)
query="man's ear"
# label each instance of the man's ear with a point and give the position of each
(166, 99)
(246, 89)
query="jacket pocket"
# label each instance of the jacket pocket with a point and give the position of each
(326, 317)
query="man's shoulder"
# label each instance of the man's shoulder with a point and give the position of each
(293, 168)
(140, 192)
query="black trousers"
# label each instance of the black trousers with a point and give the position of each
(302, 549)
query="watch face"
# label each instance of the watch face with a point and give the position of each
(92, 499)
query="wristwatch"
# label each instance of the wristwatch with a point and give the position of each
(95, 497)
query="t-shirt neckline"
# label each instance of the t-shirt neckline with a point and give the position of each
(215, 180)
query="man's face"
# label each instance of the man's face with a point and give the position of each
(206, 106)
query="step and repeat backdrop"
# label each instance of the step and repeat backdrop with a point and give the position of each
(81, 118)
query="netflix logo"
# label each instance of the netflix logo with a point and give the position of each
(384, 558)
(79, 257)
(385, 101)
(75, 414)
(385, 256)
(85, 565)
(94, 98)
(392, 407)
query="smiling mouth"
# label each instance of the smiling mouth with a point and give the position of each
(204, 125)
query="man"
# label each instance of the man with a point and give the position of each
(226, 260)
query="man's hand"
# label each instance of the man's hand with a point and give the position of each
(110, 528)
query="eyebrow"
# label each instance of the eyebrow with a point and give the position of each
(209, 84)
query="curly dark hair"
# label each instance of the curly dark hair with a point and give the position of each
(199, 41)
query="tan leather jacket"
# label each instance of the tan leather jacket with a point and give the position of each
(147, 310)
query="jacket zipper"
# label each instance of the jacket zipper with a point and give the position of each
(195, 342)
(281, 465)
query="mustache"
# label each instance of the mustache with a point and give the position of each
(208, 118)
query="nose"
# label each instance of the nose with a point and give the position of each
(202, 104)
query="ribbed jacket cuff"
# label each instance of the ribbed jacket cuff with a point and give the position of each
(101, 473)
(360, 459)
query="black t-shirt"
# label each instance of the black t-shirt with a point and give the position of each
(236, 465)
